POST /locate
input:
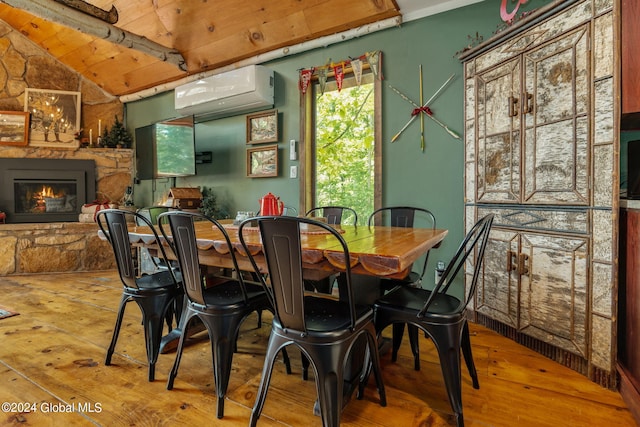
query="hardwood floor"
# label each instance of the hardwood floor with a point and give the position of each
(52, 357)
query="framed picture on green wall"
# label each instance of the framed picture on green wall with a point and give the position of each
(262, 127)
(262, 162)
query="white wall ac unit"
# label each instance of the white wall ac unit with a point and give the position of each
(234, 92)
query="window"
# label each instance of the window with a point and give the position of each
(341, 151)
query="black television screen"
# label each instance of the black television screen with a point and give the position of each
(166, 149)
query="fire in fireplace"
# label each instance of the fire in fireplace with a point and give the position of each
(45, 190)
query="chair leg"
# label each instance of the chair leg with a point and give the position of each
(286, 361)
(273, 347)
(305, 366)
(153, 316)
(222, 349)
(330, 385)
(447, 343)
(372, 361)
(468, 356)
(398, 332)
(412, 331)
(116, 329)
(184, 328)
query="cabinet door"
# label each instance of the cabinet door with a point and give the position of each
(497, 293)
(498, 133)
(556, 124)
(553, 292)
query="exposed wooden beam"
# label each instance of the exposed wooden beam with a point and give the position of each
(108, 16)
(63, 15)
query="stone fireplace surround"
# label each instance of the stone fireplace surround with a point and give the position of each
(65, 246)
(45, 190)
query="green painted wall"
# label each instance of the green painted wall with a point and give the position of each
(431, 179)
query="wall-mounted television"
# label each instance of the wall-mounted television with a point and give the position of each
(166, 149)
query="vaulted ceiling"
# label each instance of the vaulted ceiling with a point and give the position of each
(154, 42)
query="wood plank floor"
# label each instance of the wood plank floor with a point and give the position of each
(52, 355)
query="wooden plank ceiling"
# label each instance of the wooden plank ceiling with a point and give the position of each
(209, 34)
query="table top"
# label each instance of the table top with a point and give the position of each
(376, 250)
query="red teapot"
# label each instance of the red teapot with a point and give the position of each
(271, 205)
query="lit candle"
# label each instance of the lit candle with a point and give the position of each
(99, 127)
(90, 136)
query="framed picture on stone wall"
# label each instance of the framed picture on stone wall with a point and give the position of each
(55, 117)
(14, 128)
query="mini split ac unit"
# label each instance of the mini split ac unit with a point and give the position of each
(234, 92)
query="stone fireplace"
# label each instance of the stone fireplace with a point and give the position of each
(45, 190)
(61, 244)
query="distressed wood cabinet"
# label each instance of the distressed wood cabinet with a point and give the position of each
(541, 154)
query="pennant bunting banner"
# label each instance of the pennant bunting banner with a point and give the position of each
(338, 73)
(356, 66)
(372, 59)
(322, 78)
(375, 63)
(305, 79)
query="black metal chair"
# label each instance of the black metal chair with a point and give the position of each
(441, 315)
(150, 264)
(325, 329)
(404, 216)
(289, 211)
(158, 295)
(221, 307)
(333, 213)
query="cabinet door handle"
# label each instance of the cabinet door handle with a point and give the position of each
(513, 106)
(527, 105)
(523, 264)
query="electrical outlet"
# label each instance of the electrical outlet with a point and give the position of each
(293, 172)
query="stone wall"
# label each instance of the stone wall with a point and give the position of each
(53, 247)
(23, 64)
(58, 247)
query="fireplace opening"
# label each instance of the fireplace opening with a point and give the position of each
(45, 196)
(45, 190)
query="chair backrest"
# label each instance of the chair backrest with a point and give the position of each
(401, 216)
(404, 216)
(289, 211)
(473, 245)
(151, 213)
(333, 213)
(182, 240)
(114, 226)
(282, 249)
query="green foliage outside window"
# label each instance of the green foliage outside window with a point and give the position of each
(345, 149)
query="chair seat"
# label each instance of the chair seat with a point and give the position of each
(411, 301)
(229, 293)
(326, 314)
(157, 281)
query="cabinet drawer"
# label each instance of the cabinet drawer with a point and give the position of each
(546, 219)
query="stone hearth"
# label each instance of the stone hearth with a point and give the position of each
(53, 247)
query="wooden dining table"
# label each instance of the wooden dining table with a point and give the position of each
(381, 251)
